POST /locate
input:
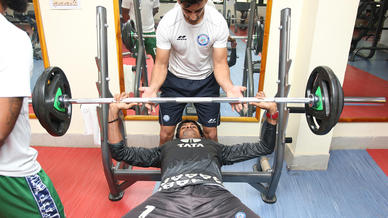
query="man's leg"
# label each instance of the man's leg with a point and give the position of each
(215, 201)
(208, 113)
(166, 134)
(163, 204)
(210, 133)
(170, 114)
(30, 196)
(150, 45)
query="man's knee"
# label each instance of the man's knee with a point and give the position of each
(210, 133)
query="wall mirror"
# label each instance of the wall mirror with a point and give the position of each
(238, 14)
(29, 22)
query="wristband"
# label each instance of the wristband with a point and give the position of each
(112, 121)
(272, 116)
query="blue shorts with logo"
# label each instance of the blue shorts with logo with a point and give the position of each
(171, 113)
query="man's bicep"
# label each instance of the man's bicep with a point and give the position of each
(10, 109)
(162, 56)
(219, 55)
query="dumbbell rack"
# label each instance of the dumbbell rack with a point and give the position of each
(120, 176)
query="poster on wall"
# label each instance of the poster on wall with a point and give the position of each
(65, 4)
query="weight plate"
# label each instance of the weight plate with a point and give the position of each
(324, 115)
(52, 115)
(127, 35)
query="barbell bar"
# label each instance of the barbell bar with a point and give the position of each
(310, 100)
(324, 100)
(187, 100)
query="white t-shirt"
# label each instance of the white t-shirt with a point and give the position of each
(17, 158)
(191, 46)
(146, 11)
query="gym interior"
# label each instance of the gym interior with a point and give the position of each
(343, 173)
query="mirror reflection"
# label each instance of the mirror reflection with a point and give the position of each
(244, 68)
(27, 22)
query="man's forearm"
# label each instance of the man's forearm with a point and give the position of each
(159, 74)
(114, 133)
(222, 75)
(10, 109)
(268, 136)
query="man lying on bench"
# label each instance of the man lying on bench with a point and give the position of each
(191, 180)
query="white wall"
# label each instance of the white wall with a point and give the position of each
(320, 35)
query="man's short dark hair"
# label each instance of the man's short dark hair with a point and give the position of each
(187, 121)
(16, 5)
(188, 3)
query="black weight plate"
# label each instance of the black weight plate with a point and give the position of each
(258, 40)
(322, 121)
(228, 18)
(340, 101)
(127, 36)
(56, 122)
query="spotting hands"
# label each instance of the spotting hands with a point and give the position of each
(114, 108)
(237, 92)
(271, 107)
(149, 92)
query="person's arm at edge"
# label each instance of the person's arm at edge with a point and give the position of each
(10, 109)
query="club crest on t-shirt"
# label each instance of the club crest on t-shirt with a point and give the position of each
(203, 39)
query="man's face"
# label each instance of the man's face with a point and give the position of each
(189, 130)
(193, 14)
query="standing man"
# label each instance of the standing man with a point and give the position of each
(191, 62)
(148, 9)
(25, 189)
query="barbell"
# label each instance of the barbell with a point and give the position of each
(52, 102)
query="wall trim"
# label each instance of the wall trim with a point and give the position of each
(373, 142)
(305, 161)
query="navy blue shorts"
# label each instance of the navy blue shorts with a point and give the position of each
(201, 201)
(171, 113)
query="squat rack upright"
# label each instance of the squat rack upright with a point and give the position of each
(120, 176)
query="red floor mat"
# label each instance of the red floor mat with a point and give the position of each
(78, 177)
(361, 83)
(381, 158)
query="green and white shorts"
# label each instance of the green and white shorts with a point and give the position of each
(30, 196)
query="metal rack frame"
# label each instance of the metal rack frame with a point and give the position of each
(120, 176)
